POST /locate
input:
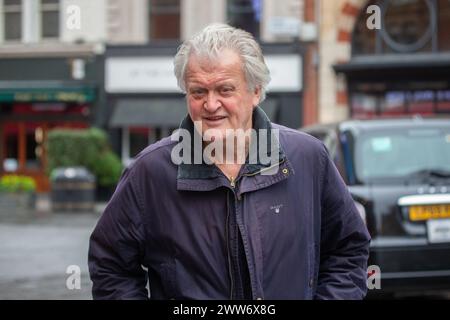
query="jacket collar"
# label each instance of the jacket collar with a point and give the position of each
(204, 177)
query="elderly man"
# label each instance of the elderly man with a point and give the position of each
(213, 229)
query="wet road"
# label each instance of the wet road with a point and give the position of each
(34, 256)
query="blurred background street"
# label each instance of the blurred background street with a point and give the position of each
(35, 254)
(85, 85)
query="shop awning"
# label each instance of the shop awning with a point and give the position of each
(167, 112)
(42, 92)
(388, 62)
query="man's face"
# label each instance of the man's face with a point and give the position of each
(218, 95)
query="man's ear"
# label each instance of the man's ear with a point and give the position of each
(256, 96)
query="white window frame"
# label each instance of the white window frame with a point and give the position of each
(31, 13)
(2, 23)
(49, 8)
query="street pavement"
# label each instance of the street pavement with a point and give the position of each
(35, 255)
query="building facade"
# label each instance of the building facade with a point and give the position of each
(63, 64)
(51, 75)
(384, 58)
(108, 63)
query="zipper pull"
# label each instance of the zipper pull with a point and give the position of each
(232, 182)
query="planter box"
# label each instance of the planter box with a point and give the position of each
(17, 206)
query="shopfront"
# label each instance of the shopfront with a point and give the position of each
(36, 96)
(402, 68)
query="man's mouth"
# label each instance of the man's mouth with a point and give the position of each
(214, 119)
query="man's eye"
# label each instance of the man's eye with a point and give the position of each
(197, 93)
(226, 90)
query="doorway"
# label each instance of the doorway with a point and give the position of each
(24, 152)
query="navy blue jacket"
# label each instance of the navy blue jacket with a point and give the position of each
(188, 232)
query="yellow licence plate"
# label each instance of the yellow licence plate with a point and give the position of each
(436, 211)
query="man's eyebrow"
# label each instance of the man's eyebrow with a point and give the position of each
(220, 83)
(196, 88)
(226, 83)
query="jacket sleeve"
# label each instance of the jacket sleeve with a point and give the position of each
(116, 247)
(344, 244)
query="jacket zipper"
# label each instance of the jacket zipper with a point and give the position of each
(227, 240)
(232, 182)
(230, 267)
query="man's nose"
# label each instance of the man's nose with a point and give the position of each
(212, 103)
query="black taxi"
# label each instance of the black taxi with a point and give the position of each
(398, 172)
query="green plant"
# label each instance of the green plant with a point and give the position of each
(17, 183)
(84, 147)
(108, 168)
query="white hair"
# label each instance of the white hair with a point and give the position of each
(214, 39)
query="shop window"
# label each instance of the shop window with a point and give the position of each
(12, 13)
(164, 22)
(136, 139)
(372, 99)
(11, 148)
(139, 139)
(364, 105)
(393, 103)
(245, 14)
(50, 19)
(443, 101)
(33, 147)
(421, 102)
